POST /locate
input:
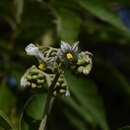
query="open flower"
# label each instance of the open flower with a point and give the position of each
(68, 53)
(33, 50)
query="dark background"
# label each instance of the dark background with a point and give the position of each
(101, 27)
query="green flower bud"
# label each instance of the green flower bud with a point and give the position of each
(33, 85)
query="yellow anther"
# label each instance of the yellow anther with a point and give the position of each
(69, 56)
(42, 66)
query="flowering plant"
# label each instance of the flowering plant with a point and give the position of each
(49, 73)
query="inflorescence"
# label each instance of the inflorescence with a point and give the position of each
(53, 61)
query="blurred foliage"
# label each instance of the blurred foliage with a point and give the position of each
(99, 101)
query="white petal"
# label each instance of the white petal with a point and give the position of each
(23, 82)
(67, 93)
(75, 46)
(31, 49)
(65, 46)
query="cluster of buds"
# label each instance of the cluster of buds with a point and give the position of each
(52, 61)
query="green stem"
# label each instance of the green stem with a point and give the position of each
(49, 103)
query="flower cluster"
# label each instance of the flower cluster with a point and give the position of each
(51, 61)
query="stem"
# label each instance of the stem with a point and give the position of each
(49, 103)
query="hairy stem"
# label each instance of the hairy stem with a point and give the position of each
(49, 103)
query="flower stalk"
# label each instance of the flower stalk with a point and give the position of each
(49, 103)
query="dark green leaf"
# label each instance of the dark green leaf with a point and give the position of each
(7, 99)
(75, 121)
(36, 20)
(68, 22)
(35, 107)
(5, 122)
(24, 126)
(125, 128)
(88, 103)
(114, 77)
(100, 9)
(7, 9)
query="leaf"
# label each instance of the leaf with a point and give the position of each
(125, 128)
(7, 20)
(24, 126)
(35, 107)
(114, 78)
(37, 19)
(75, 121)
(68, 22)
(19, 4)
(5, 122)
(7, 99)
(6, 9)
(100, 9)
(43, 123)
(88, 103)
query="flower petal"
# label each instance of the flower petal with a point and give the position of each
(65, 46)
(31, 49)
(67, 93)
(75, 46)
(23, 82)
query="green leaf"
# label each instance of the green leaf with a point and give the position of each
(101, 9)
(7, 19)
(35, 107)
(75, 121)
(24, 126)
(125, 128)
(7, 9)
(7, 99)
(86, 102)
(68, 25)
(43, 123)
(19, 4)
(68, 21)
(5, 122)
(36, 20)
(114, 78)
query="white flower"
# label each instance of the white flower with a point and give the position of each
(33, 50)
(68, 53)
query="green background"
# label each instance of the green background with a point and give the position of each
(99, 101)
